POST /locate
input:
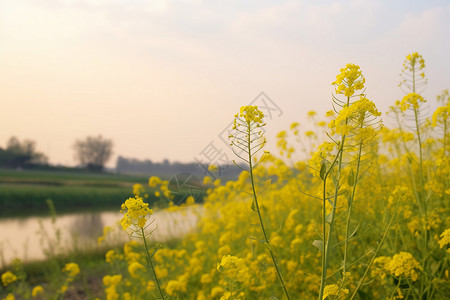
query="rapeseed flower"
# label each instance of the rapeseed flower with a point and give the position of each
(251, 114)
(8, 277)
(233, 268)
(72, 269)
(37, 290)
(334, 290)
(136, 213)
(445, 238)
(404, 264)
(349, 80)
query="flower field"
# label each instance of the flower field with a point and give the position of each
(364, 216)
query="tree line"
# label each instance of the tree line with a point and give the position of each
(92, 153)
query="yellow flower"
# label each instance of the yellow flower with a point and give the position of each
(251, 114)
(216, 291)
(349, 80)
(411, 99)
(154, 181)
(138, 189)
(9, 297)
(109, 280)
(8, 277)
(133, 269)
(334, 290)
(311, 113)
(37, 290)
(441, 115)
(233, 268)
(111, 256)
(445, 238)
(136, 212)
(72, 269)
(213, 168)
(190, 200)
(357, 111)
(413, 59)
(404, 264)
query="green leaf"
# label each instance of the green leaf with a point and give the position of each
(329, 218)
(253, 206)
(351, 178)
(323, 170)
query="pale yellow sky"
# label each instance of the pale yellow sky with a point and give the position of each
(163, 78)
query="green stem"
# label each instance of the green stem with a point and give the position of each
(350, 205)
(373, 257)
(326, 245)
(150, 263)
(266, 240)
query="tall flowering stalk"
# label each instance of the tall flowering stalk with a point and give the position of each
(246, 141)
(354, 130)
(135, 222)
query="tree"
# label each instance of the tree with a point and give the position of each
(93, 152)
(19, 154)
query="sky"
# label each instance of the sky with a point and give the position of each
(164, 78)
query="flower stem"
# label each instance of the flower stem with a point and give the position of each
(150, 263)
(266, 240)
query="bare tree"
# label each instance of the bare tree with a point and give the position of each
(93, 152)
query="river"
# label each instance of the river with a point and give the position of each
(32, 238)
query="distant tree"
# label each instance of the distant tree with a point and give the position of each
(19, 154)
(93, 152)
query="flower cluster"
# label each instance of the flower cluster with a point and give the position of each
(334, 290)
(72, 270)
(441, 115)
(353, 115)
(8, 277)
(233, 268)
(412, 60)
(37, 291)
(251, 114)
(412, 99)
(111, 282)
(349, 80)
(445, 238)
(136, 212)
(405, 265)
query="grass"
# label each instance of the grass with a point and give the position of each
(25, 192)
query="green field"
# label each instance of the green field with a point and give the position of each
(25, 192)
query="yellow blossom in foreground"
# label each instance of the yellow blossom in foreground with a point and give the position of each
(349, 80)
(112, 279)
(190, 200)
(136, 212)
(9, 297)
(154, 181)
(8, 277)
(138, 189)
(37, 290)
(111, 282)
(404, 264)
(250, 114)
(412, 99)
(72, 269)
(357, 111)
(445, 238)
(334, 290)
(233, 268)
(213, 168)
(133, 269)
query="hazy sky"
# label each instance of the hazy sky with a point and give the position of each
(162, 79)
